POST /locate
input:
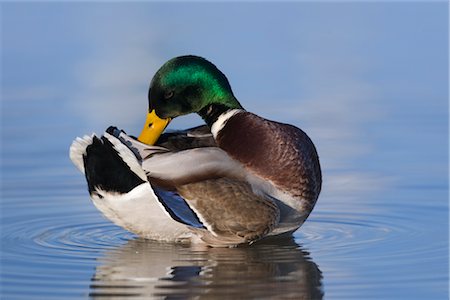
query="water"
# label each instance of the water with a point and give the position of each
(376, 109)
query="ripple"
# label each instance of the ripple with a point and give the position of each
(347, 230)
(358, 228)
(55, 234)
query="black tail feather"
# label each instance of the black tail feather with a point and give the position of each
(105, 169)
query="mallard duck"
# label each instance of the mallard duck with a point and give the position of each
(235, 180)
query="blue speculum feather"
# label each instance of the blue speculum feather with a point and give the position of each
(177, 208)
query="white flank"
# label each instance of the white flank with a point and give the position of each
(78, 149)
(222, 120)
(140, 212)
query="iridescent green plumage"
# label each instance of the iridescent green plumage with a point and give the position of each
(188, 84)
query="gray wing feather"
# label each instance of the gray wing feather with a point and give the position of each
(182, 167)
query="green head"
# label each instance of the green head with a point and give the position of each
(188, 84)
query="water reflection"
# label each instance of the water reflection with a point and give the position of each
(273, 269)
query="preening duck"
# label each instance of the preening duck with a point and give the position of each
(235, 180)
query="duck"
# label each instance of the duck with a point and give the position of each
(237, 179)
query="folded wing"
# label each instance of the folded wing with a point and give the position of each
(214, 186)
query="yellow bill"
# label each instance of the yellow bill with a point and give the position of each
(153, 128)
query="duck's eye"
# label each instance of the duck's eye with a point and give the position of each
(168, 95)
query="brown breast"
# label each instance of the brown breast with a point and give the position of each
(278, 152)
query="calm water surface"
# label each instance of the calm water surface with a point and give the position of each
(376, 108)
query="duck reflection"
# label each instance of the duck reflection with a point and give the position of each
(146, 269)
